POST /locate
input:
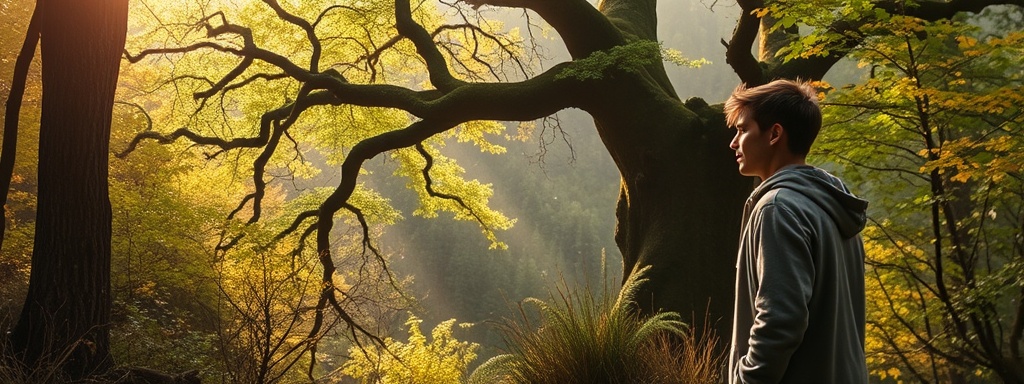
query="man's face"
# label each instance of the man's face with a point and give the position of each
(753, 146)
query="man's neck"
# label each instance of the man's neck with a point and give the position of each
(781, 162)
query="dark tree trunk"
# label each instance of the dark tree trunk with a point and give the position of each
(681, 195)
(681, 198)
(67, 310)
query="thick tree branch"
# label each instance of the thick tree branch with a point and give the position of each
(360, 153)
(521, 101)
(637, 17)
(737, 50)
(189, 48)
(437, 67)
(295, 224)
(260, 164)
(583, 28)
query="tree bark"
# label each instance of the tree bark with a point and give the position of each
(66, 316)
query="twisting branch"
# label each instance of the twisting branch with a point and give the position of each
(368, 244)
(314, 42)
(261, 139)
(360, 153)
(248, 50)
(188, 48)
(227, 79)
(338, 200)
(429, 182)
(11, 114)
(301, 217)
(260, 165)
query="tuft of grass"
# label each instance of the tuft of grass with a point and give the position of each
(48, 368)
(691, 359)
(582, 339)
(45, 370)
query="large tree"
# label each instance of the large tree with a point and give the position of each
(66, 315)
(678, 175)
(680, 195)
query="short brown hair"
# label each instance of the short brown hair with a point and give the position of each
(792, 104)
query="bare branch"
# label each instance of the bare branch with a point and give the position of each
(262, 138)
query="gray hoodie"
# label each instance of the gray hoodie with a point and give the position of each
(799, 315)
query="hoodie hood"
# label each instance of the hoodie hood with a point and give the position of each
(825, 190)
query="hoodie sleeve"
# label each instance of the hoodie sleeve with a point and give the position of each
(785, 272)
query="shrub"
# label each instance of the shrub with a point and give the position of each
(442, 359)
(584, 340)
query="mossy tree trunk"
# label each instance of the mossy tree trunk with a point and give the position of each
(681, 196)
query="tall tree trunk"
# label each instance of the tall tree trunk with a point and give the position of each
(66, 316)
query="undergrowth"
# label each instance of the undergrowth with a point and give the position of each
(583, 339)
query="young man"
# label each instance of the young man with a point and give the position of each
(799, 315)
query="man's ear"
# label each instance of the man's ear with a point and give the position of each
(775, 133)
